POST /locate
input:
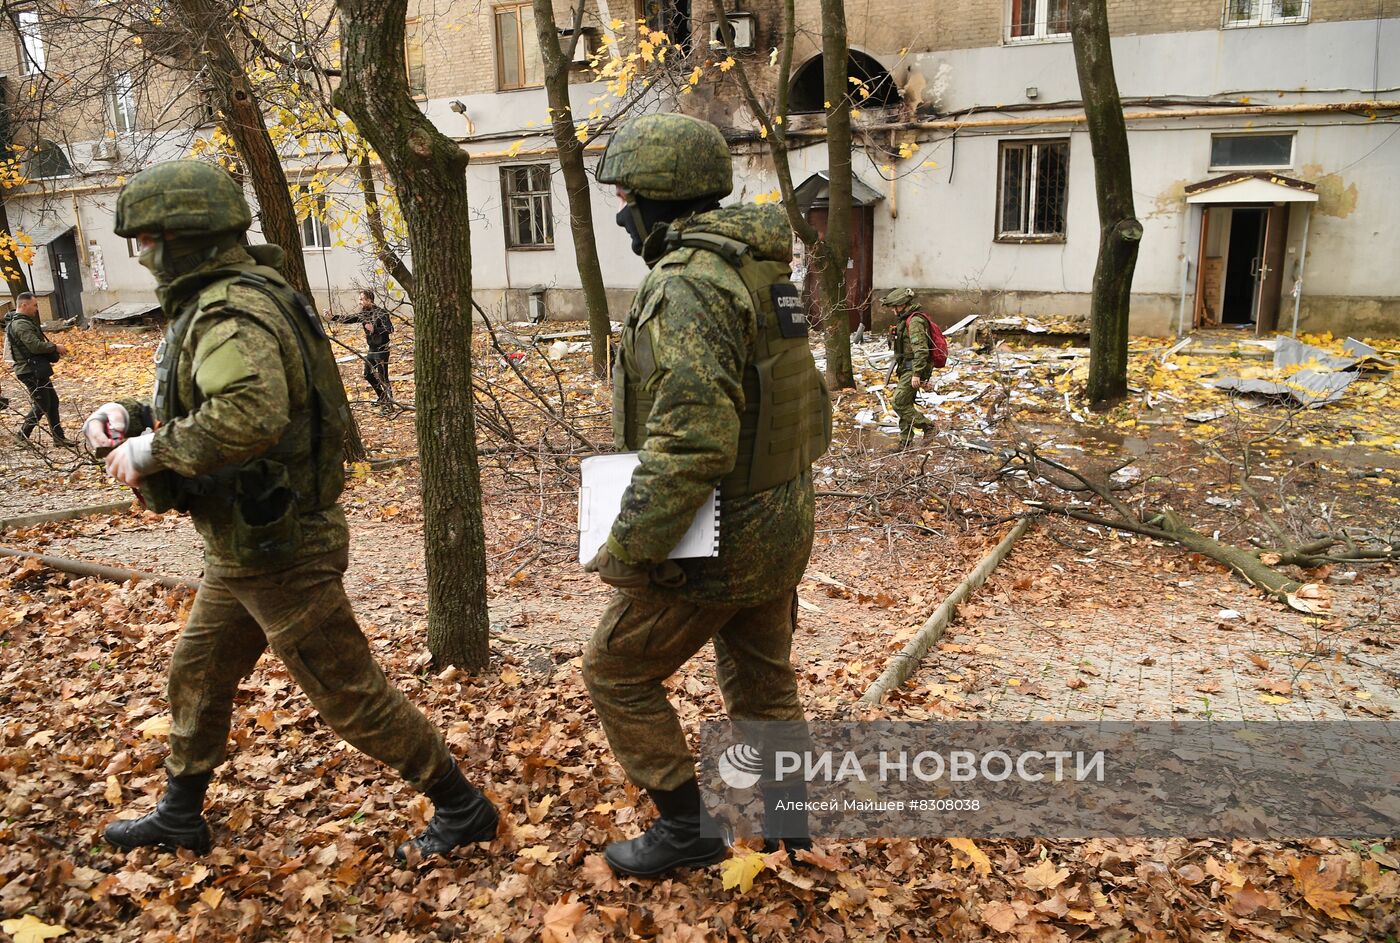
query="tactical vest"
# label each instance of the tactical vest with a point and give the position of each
(265, 505)
(786, 423)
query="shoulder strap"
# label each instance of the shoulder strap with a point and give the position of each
(733, 250)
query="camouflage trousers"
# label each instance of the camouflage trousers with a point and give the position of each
(909, 416)
(640, 642)
(302, 614)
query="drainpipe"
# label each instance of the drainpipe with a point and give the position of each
(1302, 261)
(1185, 271)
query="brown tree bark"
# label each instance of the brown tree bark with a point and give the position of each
(429, 176)
(1120, 232)
(556, 87)
(207, 22)
(837, 243)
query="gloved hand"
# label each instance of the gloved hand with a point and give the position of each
(106, 427)
(131, 461)
(616, 572)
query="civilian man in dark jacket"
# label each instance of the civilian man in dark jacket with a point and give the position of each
(34, 355)
(377, 324)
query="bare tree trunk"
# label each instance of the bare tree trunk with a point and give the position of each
(429, 176)
(833, 260)
(207, 23)
(1120, 233)
(556, 87)
(374, 221)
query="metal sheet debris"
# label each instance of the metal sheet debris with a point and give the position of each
(1309, 375)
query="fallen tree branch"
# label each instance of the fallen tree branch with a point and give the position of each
(69, 514)
(101, 571)
(902, 664)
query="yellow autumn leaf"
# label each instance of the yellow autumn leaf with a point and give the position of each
(514, 148)
(970, 855)
(740, 870)
(30, 929)
(727, 64)
(1273, 699)
(157, 726)
(212, 897)
(616, 24)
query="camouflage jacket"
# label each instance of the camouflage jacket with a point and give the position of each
(30, 351)
(691, 333)
(913, 343)
(242, 356)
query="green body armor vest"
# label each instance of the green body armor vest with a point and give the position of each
(260, 492)
(786, 423)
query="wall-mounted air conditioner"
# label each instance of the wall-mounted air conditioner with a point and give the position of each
(742, 24)
(583, 49)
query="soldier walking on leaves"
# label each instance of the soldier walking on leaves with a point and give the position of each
(714, 384)
(378, 326)
(918, 348)
(34, 355)
(245, 432)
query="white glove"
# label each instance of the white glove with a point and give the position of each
(131, 461)
(107, 426)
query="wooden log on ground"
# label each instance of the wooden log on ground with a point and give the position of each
(902, 664)
(53, 517)
(101, 571)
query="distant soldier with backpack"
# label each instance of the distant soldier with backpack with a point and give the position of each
(378, 326)
(919, 347)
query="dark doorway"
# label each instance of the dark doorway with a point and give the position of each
(67, 277)
(1242, 265)
(866, 76)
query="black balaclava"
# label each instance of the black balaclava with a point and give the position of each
(641, 216)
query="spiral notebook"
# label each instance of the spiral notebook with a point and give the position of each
(605, 478)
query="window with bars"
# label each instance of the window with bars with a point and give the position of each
(529, 209)
(415, 61)
(121, 104)
(31, 42)
(1034, 191)
(315, 231)
(1031, 20)
(517, 47)
(1265, 12)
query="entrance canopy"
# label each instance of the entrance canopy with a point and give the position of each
(1256, 187)
(42, 235)
(816, 191)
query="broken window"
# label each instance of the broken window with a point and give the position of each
(529, 208)
(517, 47)
(1251, 151)
(1265, 12)
(1034, 190)
(121, 104)
(414, 60)
(671, 17)
(47, 161)
(31, 42)
(1037, 19)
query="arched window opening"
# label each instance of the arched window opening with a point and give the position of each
(807, 93)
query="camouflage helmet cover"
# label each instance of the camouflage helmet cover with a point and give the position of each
(897, 297)
(668, 157)
(184, 198)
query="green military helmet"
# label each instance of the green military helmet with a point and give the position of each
(668, 157)
(183, 198)
(897, 297)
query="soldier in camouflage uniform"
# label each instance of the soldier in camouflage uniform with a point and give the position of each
(245, 432)
(34, 355)
(913, 346)
(714, 384)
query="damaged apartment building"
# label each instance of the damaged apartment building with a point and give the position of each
(1263, 135)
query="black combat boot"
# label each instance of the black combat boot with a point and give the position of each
(673, 841)
(177, 822)
(461, 816)
(785, 819)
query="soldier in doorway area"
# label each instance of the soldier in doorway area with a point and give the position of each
(378, 326)
(34, 355)
(714, 384)
(245, 432)
(919, 347)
